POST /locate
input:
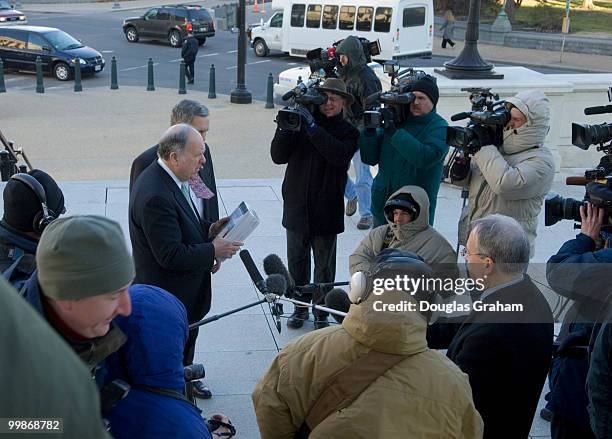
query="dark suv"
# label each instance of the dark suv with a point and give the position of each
(58, 51)
(170, 22)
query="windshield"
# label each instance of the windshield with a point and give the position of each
(62, 41)
(199, 15)
(5, 5)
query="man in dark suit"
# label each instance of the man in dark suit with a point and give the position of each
(189, 52)
(203, 184)
(505, 343)
(173, 247)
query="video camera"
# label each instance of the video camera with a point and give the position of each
(393, 105)
(597, 181)
(9, 159)
(305, 95)
(329, 61)
(488, 118)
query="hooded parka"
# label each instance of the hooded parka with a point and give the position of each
(423, 396)
(514, 179)
(416, 237)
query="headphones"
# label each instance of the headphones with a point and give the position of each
(43, 218)
(392, 260)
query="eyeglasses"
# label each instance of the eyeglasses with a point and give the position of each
(466, 253)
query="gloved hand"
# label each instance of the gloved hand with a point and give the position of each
(308, 120)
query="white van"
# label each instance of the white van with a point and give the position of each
(403, 27)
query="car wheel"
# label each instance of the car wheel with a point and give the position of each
(175, 38)
(131, 34)
(260, 48)
(202, 41)
(61, 71)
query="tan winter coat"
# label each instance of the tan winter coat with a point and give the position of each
(417, 237)
(514, 179)
(423, 396)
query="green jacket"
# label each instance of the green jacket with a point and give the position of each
(414, 155)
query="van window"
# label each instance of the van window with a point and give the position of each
(414, 17)
(313, 17)
(330, 17)
(364, 19)
(383, 20)
(13, 40)
(151, 15)
(347, 18)
(277, 20)
(180, 14)
(36, 42)
(163, 14)
(297, 15)
(199, 14)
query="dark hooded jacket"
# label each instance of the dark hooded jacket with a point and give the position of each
(360, 80)
(153, 358)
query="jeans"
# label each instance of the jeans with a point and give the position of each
(362, 187)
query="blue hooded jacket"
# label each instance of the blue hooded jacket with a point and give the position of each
(157, 331)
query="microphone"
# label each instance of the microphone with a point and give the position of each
(274, 265)
(598, 110)
(338, 299)
(276, 284)
(254, 273)
(460, 116)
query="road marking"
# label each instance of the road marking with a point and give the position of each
(231, 68)
(232, 51)
(292, 64)
(258, 62)
(208, 54)
(131, 68)
(56, 87)
(107, 51)
(13, 79)
(176, 60)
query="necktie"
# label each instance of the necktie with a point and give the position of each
(185, 191)
(199, 188)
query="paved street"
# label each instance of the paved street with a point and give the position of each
(102, 30)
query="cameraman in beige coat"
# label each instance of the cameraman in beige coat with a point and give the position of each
(513, 179)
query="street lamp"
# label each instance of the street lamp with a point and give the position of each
(240, 95)
(469, 64)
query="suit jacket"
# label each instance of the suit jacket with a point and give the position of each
(207, 174)
(170, 245)
(505, 354)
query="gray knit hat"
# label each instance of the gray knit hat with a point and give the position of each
(83, 256)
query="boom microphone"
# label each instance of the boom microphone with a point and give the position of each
(276, 284)
(598, 110)
(274, 265)
(338, 299)
(254, 273)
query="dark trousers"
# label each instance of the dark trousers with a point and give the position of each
(190, 70)
(446, 41)
(323, 247)
(189, 351)
(561, 428)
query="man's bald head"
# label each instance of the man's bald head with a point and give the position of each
(175, 140)
(182, 149)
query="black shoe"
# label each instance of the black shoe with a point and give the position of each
(200, 390)
(190, 81)
(546, 414)
(299, 316)
(321, 322)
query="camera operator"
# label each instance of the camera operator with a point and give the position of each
(378, 361)
(317, 158)
(361, 82)
(514, 179)
(411, 153)
(580, 272)
(26, 196)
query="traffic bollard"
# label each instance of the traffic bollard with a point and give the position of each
(212, 89)
(270, 93)
(114, 81)
(2, 86)
(150, 81)
(40, 87)
(182, 88)
(77, 75)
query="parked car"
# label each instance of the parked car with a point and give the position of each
(171, 23)
(58, 51)
(10, 15)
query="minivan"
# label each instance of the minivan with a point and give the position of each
(58, 51)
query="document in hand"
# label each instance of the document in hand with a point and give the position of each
(241, 224)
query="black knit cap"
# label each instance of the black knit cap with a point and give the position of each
(404, 202)
(21, 203)
(427, 85)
